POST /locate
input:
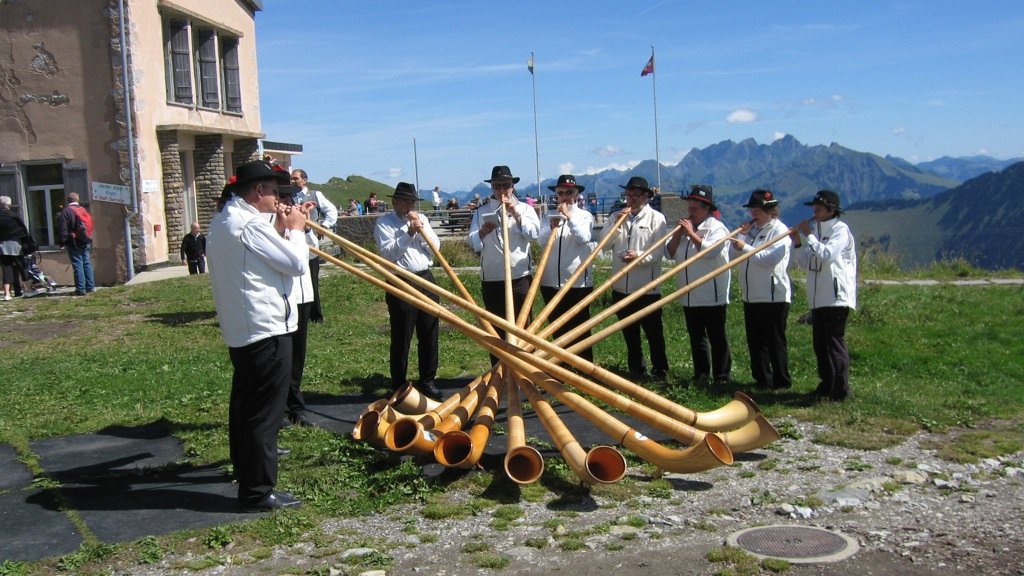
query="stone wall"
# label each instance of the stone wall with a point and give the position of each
(209, 161)
(358, 229)
(246, 150)
(173, 184)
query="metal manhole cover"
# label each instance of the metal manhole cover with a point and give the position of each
(797, 544)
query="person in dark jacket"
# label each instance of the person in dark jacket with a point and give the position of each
(12, 230)
(193, 250)
(74, 230)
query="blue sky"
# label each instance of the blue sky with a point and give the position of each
(356, 81)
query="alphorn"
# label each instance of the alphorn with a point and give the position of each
(599, 465)
(459, 449)
(712, 451)
(727, 418)
(523, 463)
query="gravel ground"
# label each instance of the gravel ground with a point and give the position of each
(910, 512)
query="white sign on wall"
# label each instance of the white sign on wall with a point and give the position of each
(150, 186)
(110, 193)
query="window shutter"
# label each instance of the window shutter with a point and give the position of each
(181, 69)
(206, 53)
(9, 183)
(76, 179)
(232, 82)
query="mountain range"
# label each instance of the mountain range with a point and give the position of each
(794, 171)
(981, 221)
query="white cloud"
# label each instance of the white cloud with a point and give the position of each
(778, 136)
(620, 166)
(983, 151)
(742, 116)
(392, 173)
(608, 151)
(565, 168)
(899, 131)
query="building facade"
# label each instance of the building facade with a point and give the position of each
(147, 135)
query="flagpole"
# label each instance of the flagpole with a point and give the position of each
(654, 90)
(536, 139)
(416, 164)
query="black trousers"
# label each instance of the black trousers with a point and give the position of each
(652, 327)
(572, 297)
(828, 330)
(197, 266)
(494, 299)
(316, 313)
(405, 320)
(706, 328)
(295, 405)
(766, 340)
(258, 391)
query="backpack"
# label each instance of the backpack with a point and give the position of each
(83, 231)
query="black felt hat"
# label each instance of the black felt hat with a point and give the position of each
(567, 181)
(702, 193)
(826, 198)
(502, 174)
(640, 183)
(256, 171)
(405, 191)
(761, 198)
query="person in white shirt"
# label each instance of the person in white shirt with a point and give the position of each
(764, 283)
(573, 227)
(704, 307)
(325, 213)
(825, 248)
(485, 237)
(402, 237)
(643, 226)
(437, 197)
(254, 264)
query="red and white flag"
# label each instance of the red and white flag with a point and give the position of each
(648, 68)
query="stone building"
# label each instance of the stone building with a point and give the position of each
(143, 107)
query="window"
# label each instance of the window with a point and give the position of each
(206, 68)
(179, 68)
(202, 64)
(232, 82)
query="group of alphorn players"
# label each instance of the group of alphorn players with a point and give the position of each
(550, 355)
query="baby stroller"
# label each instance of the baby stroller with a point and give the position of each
(33, 274)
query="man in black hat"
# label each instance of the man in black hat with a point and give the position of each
(705, 306)
(573, 227)
(765, 289)
(402, 237)
(643, 227)
(485, 237)
(253, 266)
(825, 248)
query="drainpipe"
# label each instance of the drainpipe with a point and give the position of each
(132, 188)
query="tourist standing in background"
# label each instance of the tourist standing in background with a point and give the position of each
(573, 227)
(764, 283)
(12, 231)
(437, 197)
(704, 307)
(74, 233)
(825, 248)
(643, 226)
(193, 250)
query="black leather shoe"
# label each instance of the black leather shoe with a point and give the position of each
(301, 420)
(273, 501)
(431, 389)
